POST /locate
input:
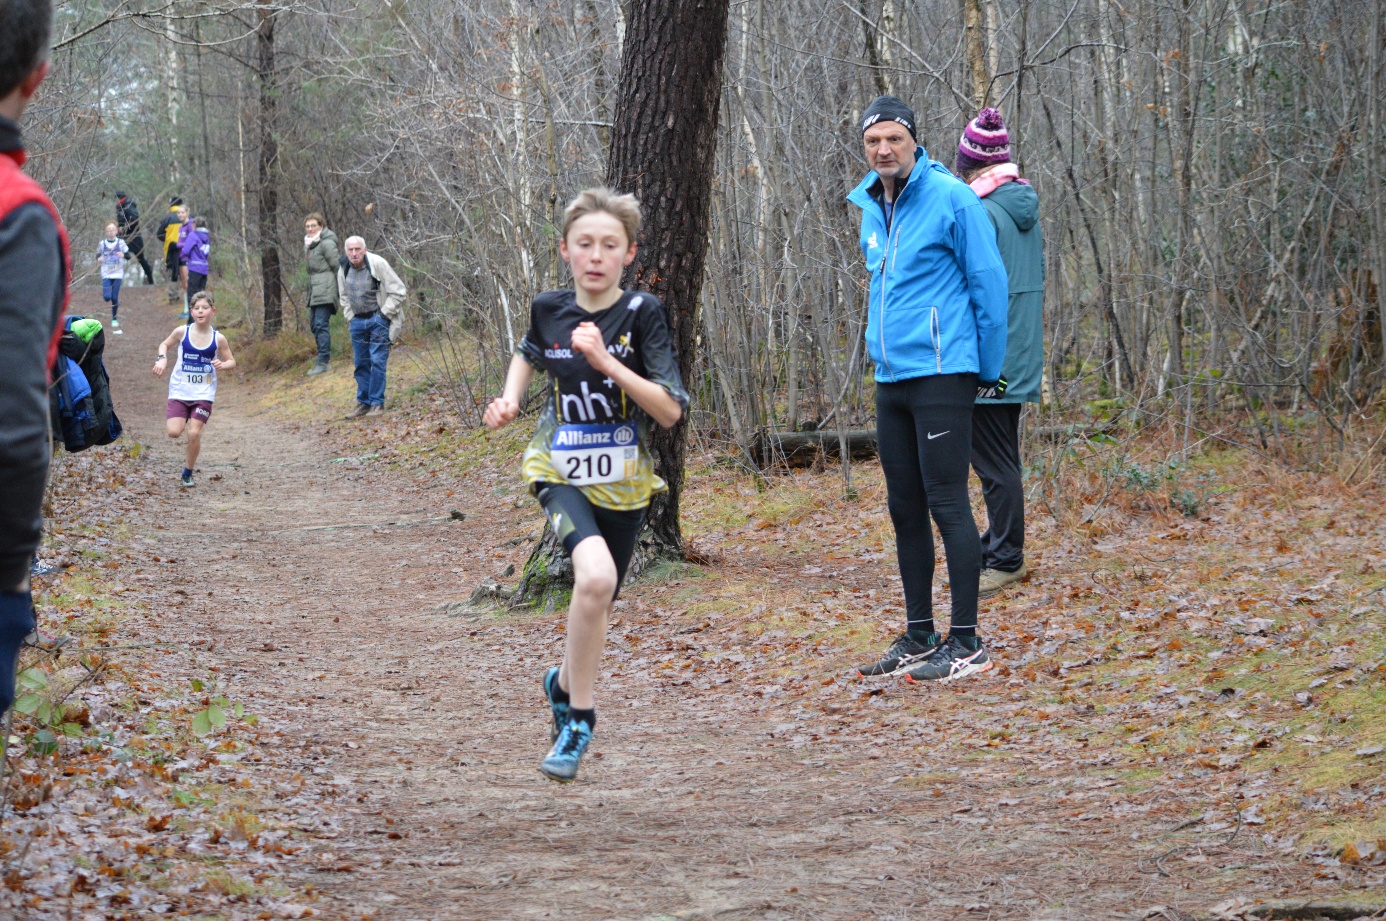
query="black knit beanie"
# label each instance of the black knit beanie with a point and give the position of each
(890, 109)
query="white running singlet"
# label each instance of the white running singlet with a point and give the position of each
(193, 378)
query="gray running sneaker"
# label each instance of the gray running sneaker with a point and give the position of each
(992, 581)
(317, 369)
(903, 654)
(44, 641)
(360, 410)
(955, 659)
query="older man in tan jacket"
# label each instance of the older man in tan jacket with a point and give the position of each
(372, 297)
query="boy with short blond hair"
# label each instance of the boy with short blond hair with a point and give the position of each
(192, 385)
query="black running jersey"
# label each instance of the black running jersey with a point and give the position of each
(590, 433)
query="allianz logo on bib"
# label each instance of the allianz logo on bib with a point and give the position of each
(572, 436)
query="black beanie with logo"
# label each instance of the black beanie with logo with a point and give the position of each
(889, 109)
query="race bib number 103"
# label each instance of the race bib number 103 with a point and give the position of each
(595, 453)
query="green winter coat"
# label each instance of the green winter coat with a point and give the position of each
(322, 270)
(1014, 212)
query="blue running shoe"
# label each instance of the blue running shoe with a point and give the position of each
(560, 711)
(572, 741)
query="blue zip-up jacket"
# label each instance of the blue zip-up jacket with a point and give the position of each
(938, 286)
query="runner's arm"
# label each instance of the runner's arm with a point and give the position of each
(224, 361)
(504, 408)
(651, 397)
(164, 346)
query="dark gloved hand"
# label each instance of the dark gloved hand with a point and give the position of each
(991, 390)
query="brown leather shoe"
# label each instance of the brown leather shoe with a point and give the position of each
(360, 410)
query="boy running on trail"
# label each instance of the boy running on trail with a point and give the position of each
(110, 252)
(612, 369)
(192, 384)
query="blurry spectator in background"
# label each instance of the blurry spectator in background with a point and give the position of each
(371, 295)
(128, 229)
(195, 251)
(321, 246)
(168, 235)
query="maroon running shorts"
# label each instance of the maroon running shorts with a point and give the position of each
(201, 410)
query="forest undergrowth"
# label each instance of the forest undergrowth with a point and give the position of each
(1201, 610)
(1203, 636)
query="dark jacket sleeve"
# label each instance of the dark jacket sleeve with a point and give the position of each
(657, 350)
(531, 344)
(31, 303)
(128, 219)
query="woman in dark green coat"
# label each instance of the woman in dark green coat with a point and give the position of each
(323, 254)
(984, 163)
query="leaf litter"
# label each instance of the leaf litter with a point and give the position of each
(1177, 709)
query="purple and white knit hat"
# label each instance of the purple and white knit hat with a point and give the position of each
(984, 142)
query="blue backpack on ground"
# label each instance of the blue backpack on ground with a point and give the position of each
(79, 401)
(70, 403)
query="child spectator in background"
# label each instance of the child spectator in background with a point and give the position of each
(195, 249)
(168, 235)
(110, 252)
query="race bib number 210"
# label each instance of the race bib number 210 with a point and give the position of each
(594, 453)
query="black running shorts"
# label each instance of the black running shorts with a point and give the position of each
(574, 519)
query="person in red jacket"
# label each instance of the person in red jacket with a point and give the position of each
(34, 271)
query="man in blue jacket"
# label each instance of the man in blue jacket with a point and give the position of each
(936, 330)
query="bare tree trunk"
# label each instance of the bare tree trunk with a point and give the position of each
(272, 284)
(874, 56)
(172, 87)
(974, 24)
(662, 148)
(208, 210)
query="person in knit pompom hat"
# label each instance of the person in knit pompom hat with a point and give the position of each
(985, 142)
(984, 163)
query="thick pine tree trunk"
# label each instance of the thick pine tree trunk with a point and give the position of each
(663, 143)
(663, 140)
(272, 284)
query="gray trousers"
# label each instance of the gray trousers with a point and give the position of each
(320, 316)
(996, 458)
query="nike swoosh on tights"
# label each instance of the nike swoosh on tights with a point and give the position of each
(932, 436)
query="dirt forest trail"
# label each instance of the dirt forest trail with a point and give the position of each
(722, 801)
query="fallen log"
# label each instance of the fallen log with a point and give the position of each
(1073, 430)
(801, 449)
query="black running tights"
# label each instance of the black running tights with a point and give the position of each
(924, 436)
